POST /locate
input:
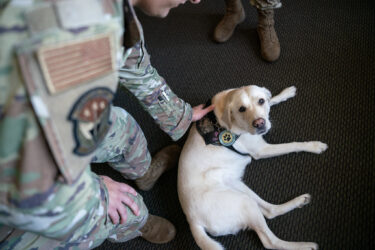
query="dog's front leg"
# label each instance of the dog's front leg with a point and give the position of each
(283, 95)
(259, 148)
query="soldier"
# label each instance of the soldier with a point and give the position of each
(235, 14)
(60, 63)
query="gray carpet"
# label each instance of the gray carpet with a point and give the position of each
(328, 54)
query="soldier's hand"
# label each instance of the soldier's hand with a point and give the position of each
(199, 111)
(119, 199)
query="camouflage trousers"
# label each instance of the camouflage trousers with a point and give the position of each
(266, 4)
(82, 207)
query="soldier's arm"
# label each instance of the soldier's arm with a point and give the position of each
(171, 113)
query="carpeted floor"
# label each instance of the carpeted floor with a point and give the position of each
(328, 54)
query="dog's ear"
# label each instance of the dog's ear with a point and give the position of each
(223, 106)
(227, 115)
(268, 93)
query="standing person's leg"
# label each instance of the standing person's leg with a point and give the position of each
(234, 15)
(269, 42)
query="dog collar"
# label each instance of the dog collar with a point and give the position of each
(214, 134)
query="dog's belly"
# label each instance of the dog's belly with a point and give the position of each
(205, 186)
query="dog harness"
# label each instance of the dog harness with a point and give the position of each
(214, 134)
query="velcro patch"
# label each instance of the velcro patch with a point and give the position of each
(75, 14)
(41, 18)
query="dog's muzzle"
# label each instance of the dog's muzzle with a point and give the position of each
(260, 126)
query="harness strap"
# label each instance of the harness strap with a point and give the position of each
(238, 152)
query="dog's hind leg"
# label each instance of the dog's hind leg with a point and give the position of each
(269, 210)
(202, 239)
(268, 238)
(271, 241)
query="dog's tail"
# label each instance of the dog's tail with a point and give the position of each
(203, 240)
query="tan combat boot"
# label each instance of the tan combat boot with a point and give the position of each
(234, 14)
(165, 159)
(269, 43)
(158, 230)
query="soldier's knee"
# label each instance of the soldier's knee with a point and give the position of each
(131, 229)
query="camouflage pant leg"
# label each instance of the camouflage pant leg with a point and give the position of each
(266, 4)
(125, 146)
(81, 209)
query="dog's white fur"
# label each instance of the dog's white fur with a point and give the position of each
(212, 194)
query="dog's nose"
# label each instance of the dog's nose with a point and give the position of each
(259, 123)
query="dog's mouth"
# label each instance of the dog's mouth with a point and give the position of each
(262, 131)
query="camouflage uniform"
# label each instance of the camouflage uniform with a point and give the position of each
(59, 67)
(266, 4)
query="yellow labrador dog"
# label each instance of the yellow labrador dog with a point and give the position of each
(212, 163)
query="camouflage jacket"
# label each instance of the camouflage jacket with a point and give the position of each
(43, 121)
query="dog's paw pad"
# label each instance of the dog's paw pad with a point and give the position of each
(304, 200)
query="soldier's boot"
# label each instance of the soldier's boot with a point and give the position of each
(269, 42)
(158, 230)
(165, 159)
(234, 15)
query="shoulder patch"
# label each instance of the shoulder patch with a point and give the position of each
(90, 117)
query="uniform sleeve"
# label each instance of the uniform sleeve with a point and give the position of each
(171, 113)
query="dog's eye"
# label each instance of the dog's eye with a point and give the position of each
(261, 101)
(242, 109)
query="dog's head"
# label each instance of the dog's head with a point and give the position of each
(244, 110)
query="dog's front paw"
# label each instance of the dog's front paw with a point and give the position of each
(316, 147)
(290, 92)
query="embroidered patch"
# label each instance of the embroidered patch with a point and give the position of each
(90, 117)
(226, 138)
